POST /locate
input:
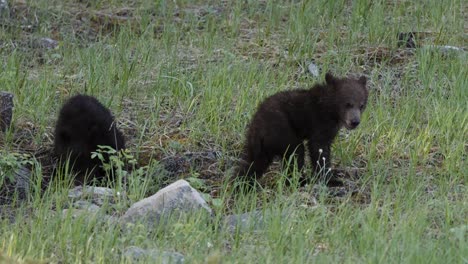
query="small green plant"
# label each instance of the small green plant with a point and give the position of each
(116, 159)
(114, 163)
(196, 182)
(10, 163)
(200, 185)
(122, 166)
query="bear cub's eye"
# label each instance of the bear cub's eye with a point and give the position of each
(349, 105)
(361, 107)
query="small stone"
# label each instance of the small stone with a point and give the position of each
(4, 9)
(85, 205)
(136, 254)
(313, 69)
(23, 181)
(3, 4)
(75, 193)
(90, 214)
(45, 43)
(178, 197)
(98, 195)
(19, 183)
(446, 50)
(75, 213)
(244, 222)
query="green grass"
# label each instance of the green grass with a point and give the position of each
(187, 76)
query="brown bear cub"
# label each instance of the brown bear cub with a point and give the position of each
(285, 120)
(83, 124)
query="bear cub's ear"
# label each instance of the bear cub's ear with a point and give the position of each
(329, 78)
(363, 80)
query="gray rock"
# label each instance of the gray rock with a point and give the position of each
(86, 205)
(6, 110)
(3, 4)
(44, 43)
(75, 213)
(96, 195)
(136, 254)
(244, 222)
(173, 200)
(18, 182)
(451, 49)
(90, 214)
(8, 213)
(22, 182)
(313, 69)
(95, 202)
(4, 9)
(447, 50)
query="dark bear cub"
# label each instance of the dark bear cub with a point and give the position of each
(83, 124)
(285, 120)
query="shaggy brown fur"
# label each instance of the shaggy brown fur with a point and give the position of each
(83, 124)
(285, 120)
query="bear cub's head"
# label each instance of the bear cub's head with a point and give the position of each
(350, 99)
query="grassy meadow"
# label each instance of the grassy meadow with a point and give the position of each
(186, 76)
